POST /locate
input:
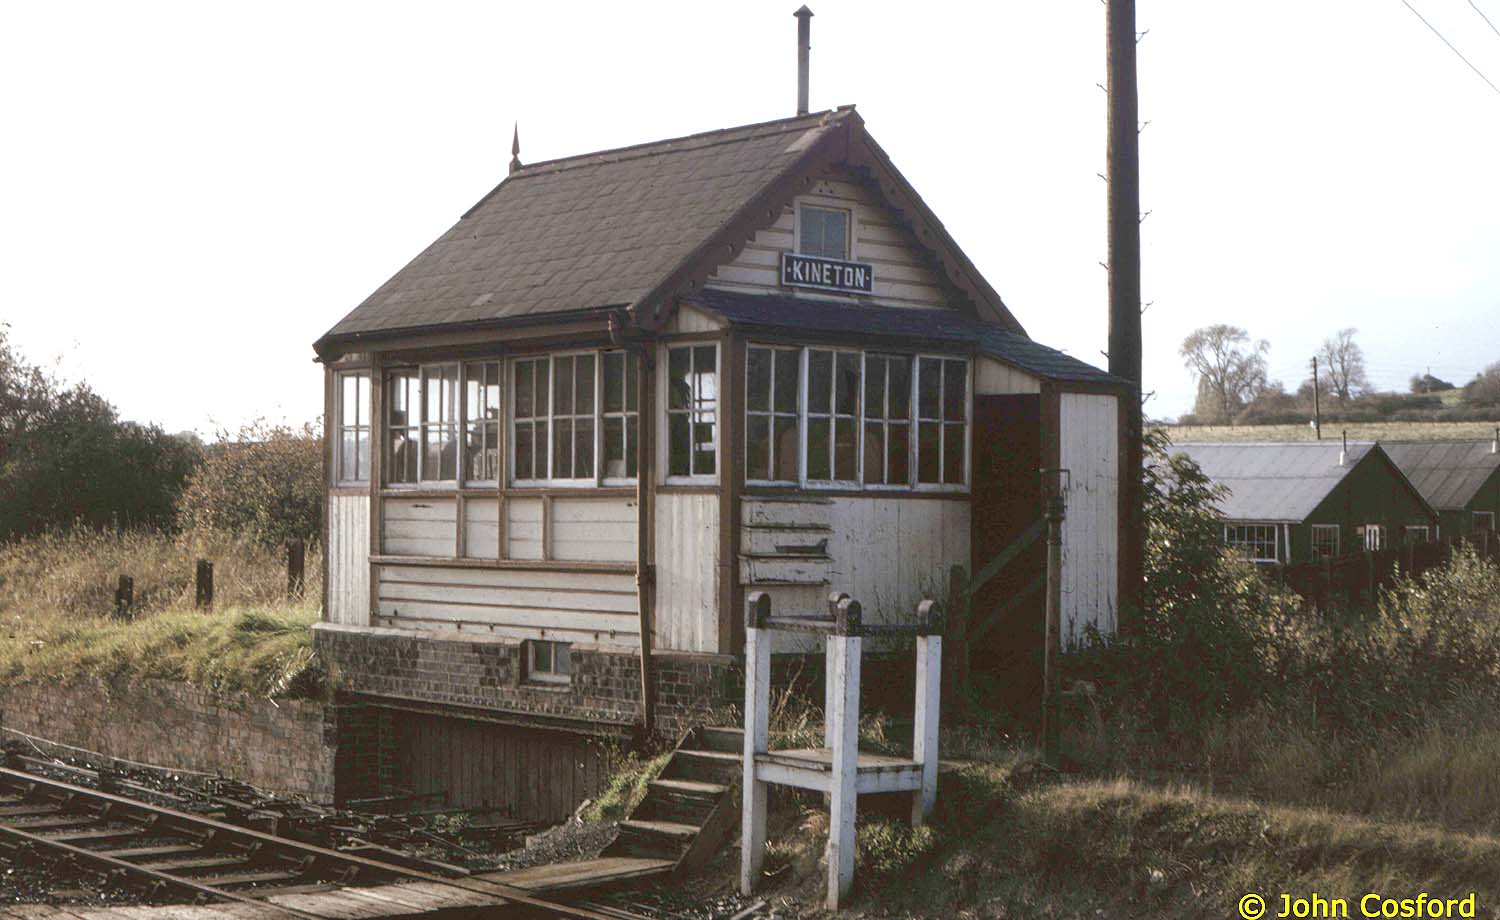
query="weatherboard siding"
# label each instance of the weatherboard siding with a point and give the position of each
(991, 378)
(687, 572)
(903, 274)
(348, 559)
(1089, 449)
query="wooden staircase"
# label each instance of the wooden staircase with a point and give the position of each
(689, 810)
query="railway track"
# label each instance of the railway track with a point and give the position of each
(172, 854)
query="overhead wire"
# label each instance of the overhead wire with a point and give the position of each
(1450, 45)
(1484, 17)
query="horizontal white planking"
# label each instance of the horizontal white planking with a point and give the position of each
(780, 541)
(785, 570)
(991, 378)
(482, 528)
(793, 513)
(593, 529)
(523, 528)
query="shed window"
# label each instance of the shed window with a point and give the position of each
(692, 410)
(482, 421)
(833, 411)
(773, 421)
(1325, 541)
(942, 416)
(1374, 536)
(823, 232)
(1483, 521)
(549, 662)
(353, 426)
(1256, 542)
(1414, 533)
(887, 453)
(620, 414)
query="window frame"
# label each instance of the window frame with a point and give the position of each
(1232, 543)
(1474, 519)
(834, 417)
(1408, 530)
(465, 420)
(550, 675)
(1313, 540)
(967, 421)
(1380, 540)
(665, 412)
(572, 482)
(824, 204)
(625, 414)
(771, 413)
(544, 416)
(341, 425)
(461, 424)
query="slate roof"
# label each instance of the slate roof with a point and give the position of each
(1447, 473)
(1274, 482)
(900, 324)
(628, 227)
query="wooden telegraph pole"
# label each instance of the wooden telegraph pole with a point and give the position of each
(1317, 405)
(1125, 281)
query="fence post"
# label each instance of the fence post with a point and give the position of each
(1052, 649)
(124, 596)
(956, 670)
(296, 552)
(1370, 577)
(204, 597)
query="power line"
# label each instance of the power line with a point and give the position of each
(1484, 17)
(1450, 44)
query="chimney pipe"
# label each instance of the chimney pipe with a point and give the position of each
(804, 36)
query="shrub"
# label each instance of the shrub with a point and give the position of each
(266, 484)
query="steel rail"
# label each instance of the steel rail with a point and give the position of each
(169, 818)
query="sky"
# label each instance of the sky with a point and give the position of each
(192, 193)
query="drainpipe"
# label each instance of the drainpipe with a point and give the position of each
(645, 530)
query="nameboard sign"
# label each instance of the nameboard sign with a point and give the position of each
(826, 274)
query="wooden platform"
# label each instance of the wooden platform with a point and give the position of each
(583, 873)
(812, 768)
(412, 900)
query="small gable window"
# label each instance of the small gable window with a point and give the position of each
(823, 232)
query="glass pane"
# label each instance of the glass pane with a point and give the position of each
(473, 392)
(679, 372)
(898, 455)
(562, 447)
(614, 448)
(679, 443)
(631, 448)
(818, 461)
(349, 408)
(927, 452)
(543, 376)
(583, 448)
(955, 386)
(583, 384)
(705, 367)
(347, 457)
(562, 386)
(900, 387)
(812, 230)
(432, 390)
(874, 388)
(845, 446)
(403, 457)
(758, 379)
(835, 232)
(541, 657)
(400, 394)
(703, 445)
(632, 381)
(953, 454)
(614, 381)
(787, 448)
(362, 448)
(524, 373)
(846, 393)
(819, 381)
(448, 453)
(929, 383)
(524, 446)
(874, 453)
(788, 373)
(562, 661)
(758, 447)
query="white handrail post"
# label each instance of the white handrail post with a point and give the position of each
(844, 662)
(925, 729)
(757, 740)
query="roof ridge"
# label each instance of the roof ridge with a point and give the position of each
(713, 138)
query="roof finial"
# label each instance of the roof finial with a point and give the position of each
(515, 148)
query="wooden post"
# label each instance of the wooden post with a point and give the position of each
(645, 531)
(835, 598)
(959, 611)
(843, 665)
(124, 596)
(203, 597)
(924, 741)
(296, 552)
(1370, 582)
(757, 739)
(1052, 652)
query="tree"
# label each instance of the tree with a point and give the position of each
(1231, 370)
(1484, 389)
(266, 482)
(1345, 364)
(1422, 384)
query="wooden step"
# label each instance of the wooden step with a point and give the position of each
(662, 839)
(704, 766)
(724, 738)
(689, 787)
(672, 829)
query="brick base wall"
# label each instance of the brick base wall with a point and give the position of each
(287, 747)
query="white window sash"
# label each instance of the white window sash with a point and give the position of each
(362, 384)
(543, 418)
(665, 412)
(778, 354)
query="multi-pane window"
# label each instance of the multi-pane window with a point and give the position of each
(1325, 541)
(531, 387)
(1256, 542)
(692, 410)
(887, 452)
(1374, 537)
(620, 414)
(942, 415)
(1483, 521)
(403, 402)
(353, 427)
(549, 662)
(482, 421)
(773, 421)
(833, 391)
(439, 423)
(1414, 533)
(573, 416)
(823, 232)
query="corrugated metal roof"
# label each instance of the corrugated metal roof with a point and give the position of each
(1447, 473)
(1274, 481)
(776, 311)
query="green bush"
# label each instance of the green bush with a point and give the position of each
(265, 483)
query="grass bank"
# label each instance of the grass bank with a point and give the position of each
(57, 594)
